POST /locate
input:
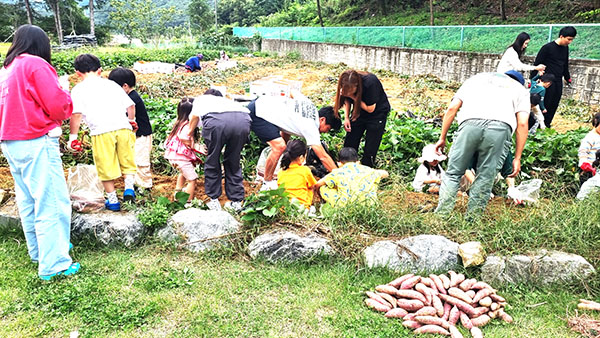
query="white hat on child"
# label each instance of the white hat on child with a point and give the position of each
(430, 155)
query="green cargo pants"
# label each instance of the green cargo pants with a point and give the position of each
(492, 141)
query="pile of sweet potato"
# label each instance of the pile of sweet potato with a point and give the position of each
(435, 304)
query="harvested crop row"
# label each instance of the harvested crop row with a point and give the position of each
(437, 303)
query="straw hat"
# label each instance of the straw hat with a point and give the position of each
(430, 155)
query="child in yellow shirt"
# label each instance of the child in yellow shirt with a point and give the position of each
(294, 176)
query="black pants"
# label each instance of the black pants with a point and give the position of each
(229, 130)
(373, 130)
(551, 101)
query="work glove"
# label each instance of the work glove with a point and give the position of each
(133, 125)
(74, 144)
(588, 167)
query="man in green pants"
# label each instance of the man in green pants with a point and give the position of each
(492, 107)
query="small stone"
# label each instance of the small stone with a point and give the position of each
(288, 246)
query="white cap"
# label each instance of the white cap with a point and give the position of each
(430, 155)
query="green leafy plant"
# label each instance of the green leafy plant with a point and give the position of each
(158, 213)
(265, 207)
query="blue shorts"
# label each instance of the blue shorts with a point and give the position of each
(265, 130)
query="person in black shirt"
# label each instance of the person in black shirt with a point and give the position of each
(555, 55)
(366, 108)
(143, 141)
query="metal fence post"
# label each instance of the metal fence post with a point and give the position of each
(324, 35)
(550, 33)
(403, 35)
(462, 36)
(357, 41)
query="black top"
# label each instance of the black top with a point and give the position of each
(556, 59)
(141, 115)
(372, 92)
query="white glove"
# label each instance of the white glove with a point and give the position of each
(73, 144)
(515, 194)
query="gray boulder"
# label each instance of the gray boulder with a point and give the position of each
(542, 267)
(9, 216)
(108, 228)
(288, 246)
(423, 253)
(200, 230)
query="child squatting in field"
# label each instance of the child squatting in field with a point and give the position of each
(102, 104)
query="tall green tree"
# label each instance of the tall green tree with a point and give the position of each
(54, 5)
(201, 15)
(141, 19)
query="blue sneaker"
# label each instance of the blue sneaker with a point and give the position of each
(129, 195)
(112, 206)
(69, 272)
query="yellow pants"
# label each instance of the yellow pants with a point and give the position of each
(114, 154)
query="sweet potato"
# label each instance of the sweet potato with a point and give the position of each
(461, 305)
(396, 313)
(458, 278)
(438, 283)
(426, 311)
(390, 299)
(481, 285)
(505, 316)
(494, 306)
(411, 294)
(465, 321)
(398, 281)
(480, 310)
(460, 294)
(470, 293)
(411, 324)
(432, 320)
(390, 290)
(497, 298)
(453, 277)
(454, 333)
(410, 316)
(589, 305)
(438, 305)
(409, 305)
(454, 315)
(445, 281)
(377, 306)
(482, 294)
(480, 321)
(486, 301)
(493, 314)
(378, 298)
(447, 308)
(432, 329)
(476, 332)
(428, 282)
(409, 283)
(425, 291)
(467, 284)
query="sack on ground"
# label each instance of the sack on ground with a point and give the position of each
(530, 190)
(262, 161)
(85, 188)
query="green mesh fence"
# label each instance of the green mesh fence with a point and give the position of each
(486, 39)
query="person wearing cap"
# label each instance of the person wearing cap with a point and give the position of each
(486, 130)
(429, 174)
(193, 63)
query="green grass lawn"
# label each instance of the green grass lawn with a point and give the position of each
(155, 291)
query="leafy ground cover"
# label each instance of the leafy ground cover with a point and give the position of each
(158, 290)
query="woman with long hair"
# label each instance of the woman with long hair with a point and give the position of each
(511, 59)
(366, 107)
(32, 108)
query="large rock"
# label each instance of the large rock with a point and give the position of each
(421, 253)
(543, 267)
(288, 246)
(9, 216)
(108, 228)
(200, 230)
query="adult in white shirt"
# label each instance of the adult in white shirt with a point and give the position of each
(275, 118)
(511, 57)
(486, 130)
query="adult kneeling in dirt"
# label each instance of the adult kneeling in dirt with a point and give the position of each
(486, 130)
(275, 118)
(225, 123)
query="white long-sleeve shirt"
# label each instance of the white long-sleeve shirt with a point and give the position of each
(510, 61)
(422, 175)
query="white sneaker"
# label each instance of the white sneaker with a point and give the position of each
(269, 185)
(214, 205)
(235, 206)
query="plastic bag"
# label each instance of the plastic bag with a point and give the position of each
(85, 189)
(527, 191)
(262, 161)
(472, 253)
